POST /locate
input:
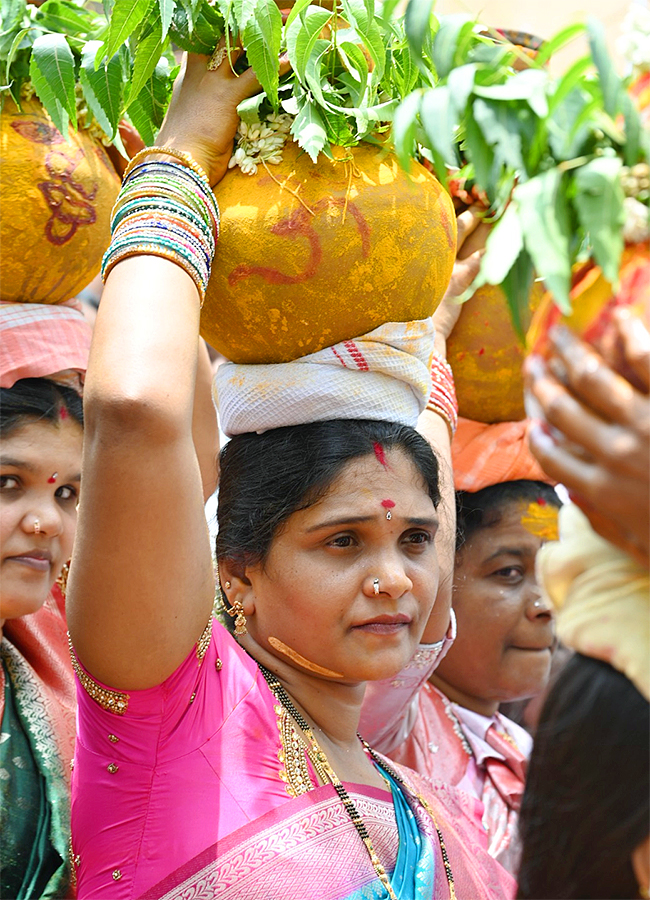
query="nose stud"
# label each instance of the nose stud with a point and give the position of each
(375, 586)
(537, 604)
(37, 528)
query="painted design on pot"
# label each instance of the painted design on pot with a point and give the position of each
(299, 224)
(69, 202)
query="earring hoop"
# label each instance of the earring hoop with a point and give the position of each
(375, 586)
(37, 526)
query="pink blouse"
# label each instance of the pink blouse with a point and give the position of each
(161, 774)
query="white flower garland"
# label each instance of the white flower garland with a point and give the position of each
(261, 142)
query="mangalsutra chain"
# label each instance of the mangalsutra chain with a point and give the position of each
(443, 849)
(326, 772)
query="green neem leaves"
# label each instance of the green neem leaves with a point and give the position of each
(309, 129)
(599, 203)
(52, 70)
(545, 151)
(262, 36)
(102, 87)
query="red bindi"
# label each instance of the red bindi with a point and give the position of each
(52, 478)
(380, 454)
(388, 504)
(541, 501)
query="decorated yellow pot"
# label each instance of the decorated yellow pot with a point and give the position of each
(56, 197)
(310, 255)
(486, 356)
(594, 302)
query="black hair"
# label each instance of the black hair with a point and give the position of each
(265, 478)
(484, 508)
(37, 399)
(586, 807)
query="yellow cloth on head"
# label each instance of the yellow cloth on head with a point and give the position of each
(602, 597)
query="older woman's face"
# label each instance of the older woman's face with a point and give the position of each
(316, 592)
(39, 490)
(505, 629)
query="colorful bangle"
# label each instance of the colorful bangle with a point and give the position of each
(442, 399)
(165, 209)
(174, 174)
(186, 158)
(155, 250)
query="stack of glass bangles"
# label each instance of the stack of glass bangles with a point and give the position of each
(165, 209)
(442, 399)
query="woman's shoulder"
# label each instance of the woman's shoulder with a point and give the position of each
(216, 664)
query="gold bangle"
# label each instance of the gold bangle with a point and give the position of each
(180, 155)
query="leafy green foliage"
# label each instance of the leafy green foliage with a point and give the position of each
(350, 67)
(545, 151)
(102, 87)
(51, 68)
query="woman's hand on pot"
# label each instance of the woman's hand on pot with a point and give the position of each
(594, 433)
(202, 117)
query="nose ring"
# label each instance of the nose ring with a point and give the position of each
(375, 586)
(37, 526)
(537, 604)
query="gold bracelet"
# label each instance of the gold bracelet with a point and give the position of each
(180, 155)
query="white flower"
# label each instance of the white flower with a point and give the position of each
(248, 167)
(637, 222)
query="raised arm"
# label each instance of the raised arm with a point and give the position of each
(141, 586)
(471, 241)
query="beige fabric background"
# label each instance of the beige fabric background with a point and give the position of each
(544, 19)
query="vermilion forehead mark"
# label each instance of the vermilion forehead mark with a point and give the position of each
(63, 414)
(388, 504)
(380, 454)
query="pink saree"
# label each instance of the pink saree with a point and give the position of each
(195, 789)
(308, 850)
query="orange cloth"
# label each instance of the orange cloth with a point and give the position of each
(483, 455)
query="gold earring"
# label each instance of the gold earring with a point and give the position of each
(236, 612)
(62, 580)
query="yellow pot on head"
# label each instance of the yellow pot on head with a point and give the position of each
(310, 255)
(56, 197)
(486, 356)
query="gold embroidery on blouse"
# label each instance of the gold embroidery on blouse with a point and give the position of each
(204, 641)
(295, 771)
(74, 862)
(113, 701)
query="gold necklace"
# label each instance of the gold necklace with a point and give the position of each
(326, 773)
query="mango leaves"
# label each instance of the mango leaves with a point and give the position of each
(545, 151)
